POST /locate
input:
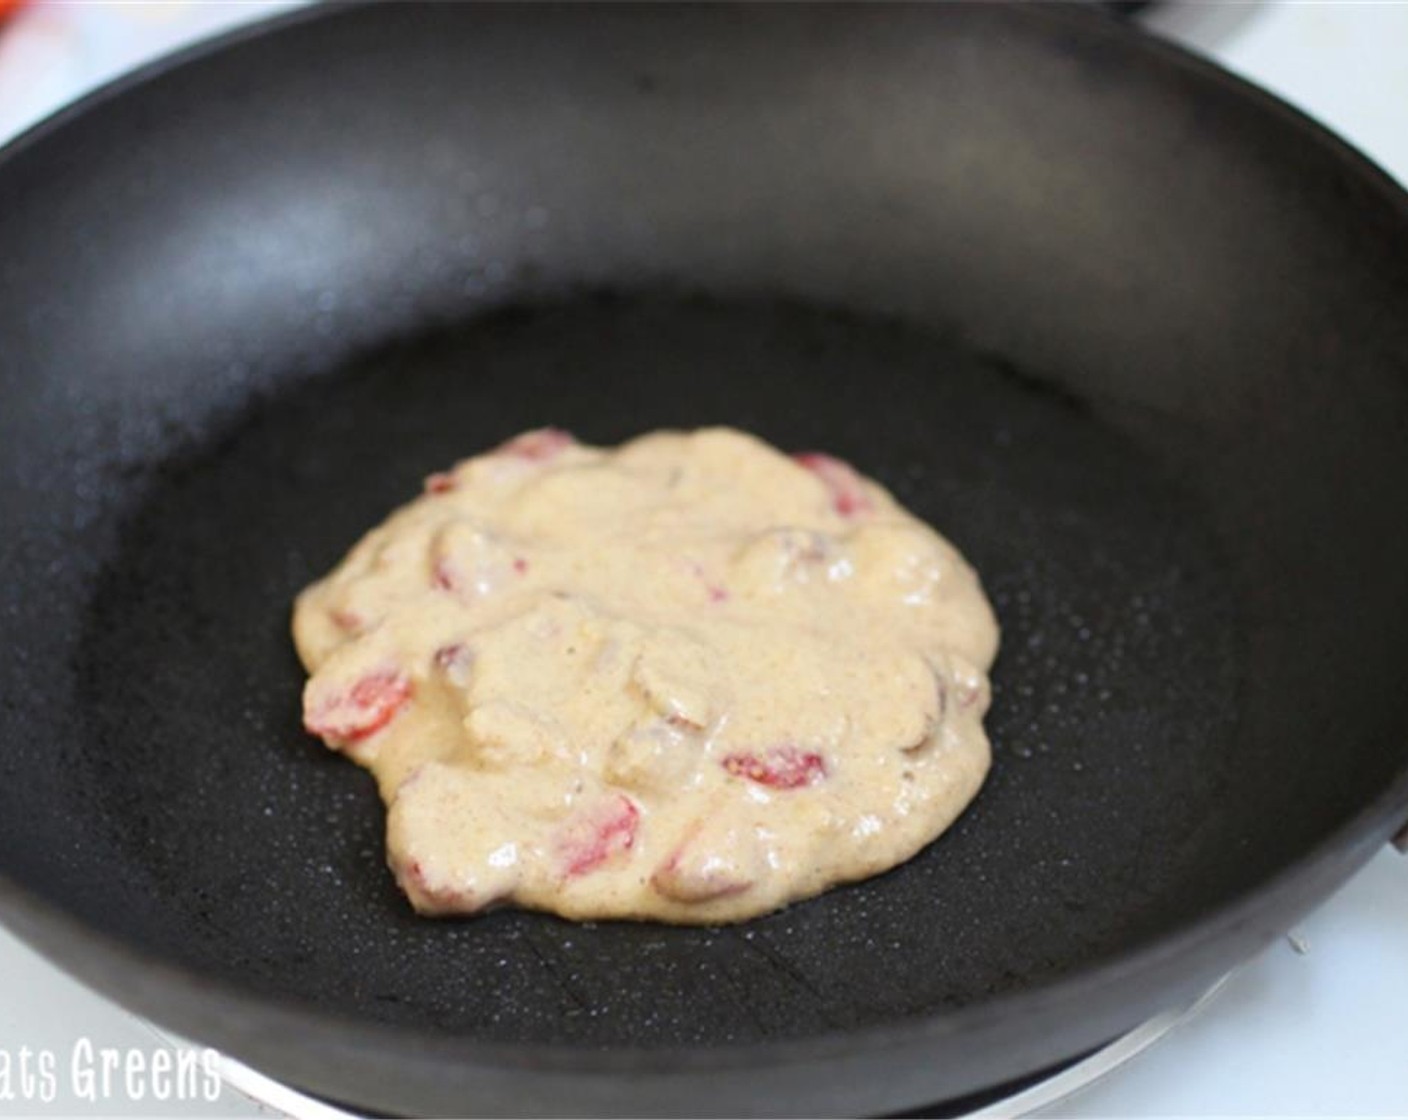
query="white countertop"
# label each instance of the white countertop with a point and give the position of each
(1318, 1033)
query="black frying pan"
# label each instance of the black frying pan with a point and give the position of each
(1133, 334)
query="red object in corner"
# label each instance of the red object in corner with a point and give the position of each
(9, 7)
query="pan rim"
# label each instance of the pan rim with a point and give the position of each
(1327, 864)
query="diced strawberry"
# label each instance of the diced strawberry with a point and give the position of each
(445, 576)
(692, 884)
(440, 482)
(468, 561)
(520, 565)
(596, 834)
(539, 445)
(714, 859)
(347, 620)
(434, 898)
(369, 705)
(970, 693)
(785, 767)
(848, 496)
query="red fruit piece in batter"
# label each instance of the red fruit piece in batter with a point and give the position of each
(596, 834)
(539, 445)
(785, 767)
(362, 710)
(434, 898)
(445, 576)
(349, 621)
(713, 859)
(969, 693)
(689, 883)
(439, 482)
(848, 496)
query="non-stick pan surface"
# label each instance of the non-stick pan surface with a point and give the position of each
(1134, 336)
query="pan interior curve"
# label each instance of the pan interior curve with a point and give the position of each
(248, 850)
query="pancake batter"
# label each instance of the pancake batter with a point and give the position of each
(689, 679)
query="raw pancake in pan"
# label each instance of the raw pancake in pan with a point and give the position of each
(690, 679)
